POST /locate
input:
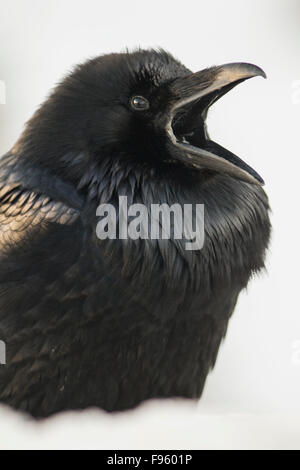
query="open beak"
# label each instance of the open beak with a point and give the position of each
(192, 96)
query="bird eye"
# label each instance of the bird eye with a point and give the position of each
(139, 103)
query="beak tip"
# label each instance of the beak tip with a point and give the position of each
(263, 74)
(256, 71)
(241, 70)
(260, 181)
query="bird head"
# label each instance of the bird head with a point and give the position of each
(144, 108)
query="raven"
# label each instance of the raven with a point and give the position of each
(112, 322)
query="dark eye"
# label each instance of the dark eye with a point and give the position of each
(139, 103)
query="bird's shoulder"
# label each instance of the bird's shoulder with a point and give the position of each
(31, 199)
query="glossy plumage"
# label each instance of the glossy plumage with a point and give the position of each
(112, 323)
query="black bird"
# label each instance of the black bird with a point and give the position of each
(110, 323)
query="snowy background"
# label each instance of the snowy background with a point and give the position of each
(251, 399)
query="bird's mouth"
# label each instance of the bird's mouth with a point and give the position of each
(186, 127)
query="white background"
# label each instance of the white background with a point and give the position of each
(258, 368)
